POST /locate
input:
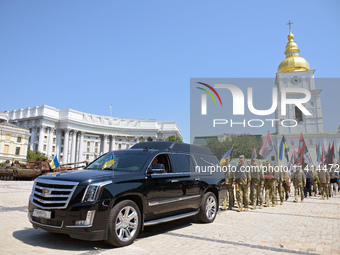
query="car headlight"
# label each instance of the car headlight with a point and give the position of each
(93, 191)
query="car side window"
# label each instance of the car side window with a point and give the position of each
(162, 159)
(181, 163)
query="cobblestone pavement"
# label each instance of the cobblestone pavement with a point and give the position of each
(311, 227)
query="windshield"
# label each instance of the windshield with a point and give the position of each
(120, 161)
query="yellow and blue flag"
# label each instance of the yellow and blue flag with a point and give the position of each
(283, 148)
(54, 163)
(109, 161)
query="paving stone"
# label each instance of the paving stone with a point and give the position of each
(311, 227)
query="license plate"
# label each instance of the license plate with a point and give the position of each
(42, 214)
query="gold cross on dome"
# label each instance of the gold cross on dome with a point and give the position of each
(290, 25)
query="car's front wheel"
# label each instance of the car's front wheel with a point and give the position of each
(124, 223)
(208, 209)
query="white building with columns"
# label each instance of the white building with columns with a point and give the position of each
(77, 136)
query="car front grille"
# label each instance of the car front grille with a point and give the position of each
(52, 194)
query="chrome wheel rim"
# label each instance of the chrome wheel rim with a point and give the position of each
(126, 223)
(210, 207)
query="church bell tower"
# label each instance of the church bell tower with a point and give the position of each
(294, 72)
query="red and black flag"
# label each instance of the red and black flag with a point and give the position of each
(330, 155)
(267, 146)
(302, 150)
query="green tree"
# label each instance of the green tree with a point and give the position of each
(36, 155)
(242, 145)
(174, 138)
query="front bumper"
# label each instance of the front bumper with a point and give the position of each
(64, 221)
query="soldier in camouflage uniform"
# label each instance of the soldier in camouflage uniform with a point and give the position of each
(230, 182)
(277, 178)
(249, 163)
(269, 183)
(257, 182)
(299, 181)
(285, 184)
(315, 180)
(324, 182)
(280, 184)
(242, 180)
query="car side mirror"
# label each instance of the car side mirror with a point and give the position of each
(157, 169)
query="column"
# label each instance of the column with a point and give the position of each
(105, 145)
(58, 142)
(50, 141)
(41, 139)
(73, 146)
(81, 146)
(65, 153)
(2, 138)
(33, 137)
(113, 143)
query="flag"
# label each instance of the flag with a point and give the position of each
(322, 154)
(109, 161)
(111, 106)
(318, 156)
(54, 163)
(302, 150)
(292, 161)
(326, 157)
(295, 155)
(254, 156)
(284, 147)
(267, 146)
(330, 155)
(280, 151)
(228, 152)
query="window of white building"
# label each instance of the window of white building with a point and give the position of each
(17, 151)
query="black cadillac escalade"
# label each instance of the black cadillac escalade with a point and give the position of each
(119, 193)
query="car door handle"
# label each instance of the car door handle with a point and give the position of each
(197, 179)
(174, 180)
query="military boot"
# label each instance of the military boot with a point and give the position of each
(281, 203)
(261, 206)
(266, 205)
(224, 208)
(240, 209)
(253, 207)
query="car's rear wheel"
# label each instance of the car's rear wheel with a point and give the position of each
(124, 223)
(208, 209)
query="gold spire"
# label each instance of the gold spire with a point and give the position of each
(293, 62)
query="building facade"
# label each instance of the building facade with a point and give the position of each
(13, 142)
(77, 136)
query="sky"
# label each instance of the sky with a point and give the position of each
(139, 56)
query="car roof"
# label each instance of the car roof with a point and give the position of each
(173, 146)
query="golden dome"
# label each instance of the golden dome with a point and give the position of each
(293, 62)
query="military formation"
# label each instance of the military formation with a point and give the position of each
(256, 185)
